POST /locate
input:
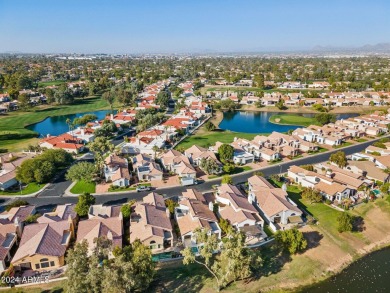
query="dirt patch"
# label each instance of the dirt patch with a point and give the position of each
(327, 252)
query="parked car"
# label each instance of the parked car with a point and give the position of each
(143, 188)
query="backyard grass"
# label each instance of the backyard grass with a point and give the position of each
(53, 287)
(83, 187)
(288, 119)
(14, 123)
(30, 188)
(210, 138)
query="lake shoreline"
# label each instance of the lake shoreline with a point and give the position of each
(338, 269)
(307, 110)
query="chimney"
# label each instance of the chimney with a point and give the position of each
(112, 116)
(109, 235)
(17, 221)
(82, 131)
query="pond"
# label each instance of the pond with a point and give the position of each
(258, 122)
(369, 274)
(56, 125)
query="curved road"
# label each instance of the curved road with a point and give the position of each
(206, 186)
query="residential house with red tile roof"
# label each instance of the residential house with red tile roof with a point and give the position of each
(146, 168)
(274, 204)
(179, 164)
(116, 170)
(67, 142)
(61, 213)
(43, 246)
(194, 212)
(196, 154)
(11, 228)
(110, 228)
(8, 165)
(150, 223)
(235, 207)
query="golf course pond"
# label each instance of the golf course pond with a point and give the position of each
(259, 122)
(56, 125)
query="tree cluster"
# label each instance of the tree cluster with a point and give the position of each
(225, 152)
(311, 195)
(42, 168)
(81, 171)
(235, 261)
(291, 240)
(344, 222)
(132, 269)
(325, 118)
(209, 166)
(339, 159)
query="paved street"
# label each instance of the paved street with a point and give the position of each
(206, 186)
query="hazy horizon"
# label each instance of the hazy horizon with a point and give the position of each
(136, 27)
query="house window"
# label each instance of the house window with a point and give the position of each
(37, 266)
(52, 263)
(44, 263)
(152, 244)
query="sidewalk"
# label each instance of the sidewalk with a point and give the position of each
(26, 195)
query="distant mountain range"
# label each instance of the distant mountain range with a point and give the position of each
(378, 48)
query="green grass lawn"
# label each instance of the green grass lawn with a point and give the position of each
(210, 138)
(51, 82)
(83, 187)
(344, 144)
(324, 214)
(236, 170)
(52, 287)
(30, 188)
(361, 140)
(128, 188)
(288, 119)
(320, 150)
(14, 123)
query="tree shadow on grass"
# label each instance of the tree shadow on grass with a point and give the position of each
(176, 277)
(274, 258)
(313, 239)
(358, 224)
(59, 290)
(47, 109)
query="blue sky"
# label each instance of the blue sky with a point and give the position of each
(119, 26)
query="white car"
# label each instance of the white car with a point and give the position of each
(143, 188)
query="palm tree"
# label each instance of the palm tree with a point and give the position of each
(69, 123)
(155, 149)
